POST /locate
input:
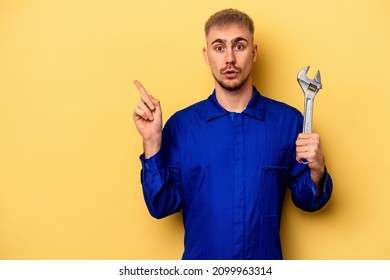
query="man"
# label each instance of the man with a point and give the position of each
(226, 161)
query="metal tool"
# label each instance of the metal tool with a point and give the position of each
(310, 89)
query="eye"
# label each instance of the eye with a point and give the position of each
(218, 48)
(239, 47)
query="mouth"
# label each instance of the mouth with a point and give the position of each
(230, 72)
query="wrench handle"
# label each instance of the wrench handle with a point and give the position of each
(308, 115)
(307, 119)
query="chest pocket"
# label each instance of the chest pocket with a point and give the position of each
(274, 176)
(275, 160)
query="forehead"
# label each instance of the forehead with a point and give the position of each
(228, 33)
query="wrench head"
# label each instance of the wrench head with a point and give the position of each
(309, 84)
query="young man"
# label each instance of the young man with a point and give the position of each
(226, 161)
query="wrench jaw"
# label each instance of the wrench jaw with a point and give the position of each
(302, 75)
(309, 85)
(317, 78)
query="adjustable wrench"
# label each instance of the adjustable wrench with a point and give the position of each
(310, 89)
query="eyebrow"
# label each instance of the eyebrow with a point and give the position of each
(235, 40)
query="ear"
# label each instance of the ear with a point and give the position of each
(254, 53)
(206, 56)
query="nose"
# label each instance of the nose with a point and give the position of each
(230, 58)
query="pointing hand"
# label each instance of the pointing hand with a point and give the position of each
(147, 118)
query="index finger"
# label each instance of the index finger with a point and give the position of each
(304, 135)
(145, 97)
(141, 89)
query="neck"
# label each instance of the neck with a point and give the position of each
(234, 101)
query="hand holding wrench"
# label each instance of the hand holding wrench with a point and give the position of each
(310, 89)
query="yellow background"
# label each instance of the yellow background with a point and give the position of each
(69, 168)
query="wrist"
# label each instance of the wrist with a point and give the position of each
(151, 146)
(317, 176)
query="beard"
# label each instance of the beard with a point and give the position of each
(231, 85)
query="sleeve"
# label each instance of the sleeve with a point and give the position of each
(304, 192)
(160, 176)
